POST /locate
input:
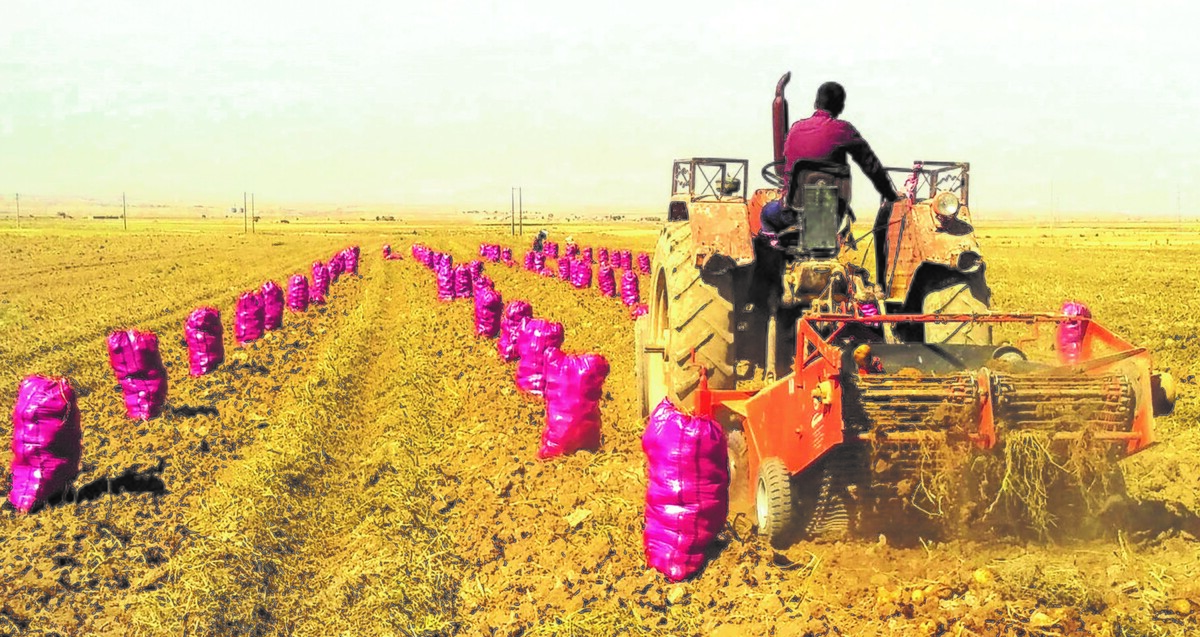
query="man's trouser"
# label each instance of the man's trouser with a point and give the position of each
(881, 248)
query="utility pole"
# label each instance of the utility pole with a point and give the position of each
(253, 219)
(512, 211)
(245, 219)
(521, 211)
(124, 214)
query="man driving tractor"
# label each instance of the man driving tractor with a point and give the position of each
(825, 137)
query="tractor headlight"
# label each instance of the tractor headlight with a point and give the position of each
(946, 204)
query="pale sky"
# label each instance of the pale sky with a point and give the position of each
(448, 104)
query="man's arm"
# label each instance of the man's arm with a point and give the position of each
(869, 162)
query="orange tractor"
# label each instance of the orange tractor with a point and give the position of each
(819, 372)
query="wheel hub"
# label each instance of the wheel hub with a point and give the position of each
(761, 506)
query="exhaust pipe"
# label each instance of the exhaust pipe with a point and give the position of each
(780, 121)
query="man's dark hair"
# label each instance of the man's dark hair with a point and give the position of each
(831, 97)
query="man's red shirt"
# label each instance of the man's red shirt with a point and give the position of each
(825, 137)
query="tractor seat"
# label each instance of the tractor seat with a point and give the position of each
(808, 222)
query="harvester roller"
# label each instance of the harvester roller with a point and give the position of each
(891, 404)
(1103, 403)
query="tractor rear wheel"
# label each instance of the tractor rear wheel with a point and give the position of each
(958, 296)
(773, 500)
(690, 310)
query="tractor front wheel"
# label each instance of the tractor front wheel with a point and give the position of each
(773, 500)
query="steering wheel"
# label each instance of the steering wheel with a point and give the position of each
(769, 176)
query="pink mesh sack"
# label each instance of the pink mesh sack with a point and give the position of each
(529, 261)
(536, 337)
(606, 281)
(350, 262)
(387, 250)
(587, 255)
(643, 260)
(574, 386)
(335, 268)
(463, 283)
(297, 296)
(488, 309)
(47, 441)
(139, 369)
(272, 300)
(506, 256)
(320, 284)
(511, 324)
(581, 274)
(602, 255)
(629, 289)
(1070, 333)
(551, 249)
(564, 269)
(445, 282)
(205, 340)
(484, 281)
(476, 268)
(687, 491)
(248, 322)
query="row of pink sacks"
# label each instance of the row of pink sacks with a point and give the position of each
(260, 311)
(47, 438)
(571, 384)
(618, 259)
(578, 272)
(137, 363)
(687, 495)
(495, 253)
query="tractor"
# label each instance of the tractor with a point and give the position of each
(836, 389)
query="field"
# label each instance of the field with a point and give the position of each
(371, 469)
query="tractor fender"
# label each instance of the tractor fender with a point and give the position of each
(719, 229)
(930, 276)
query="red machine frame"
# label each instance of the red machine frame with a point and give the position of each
(798, 418)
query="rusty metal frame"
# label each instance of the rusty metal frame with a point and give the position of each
(708, 192)
(932, 178)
